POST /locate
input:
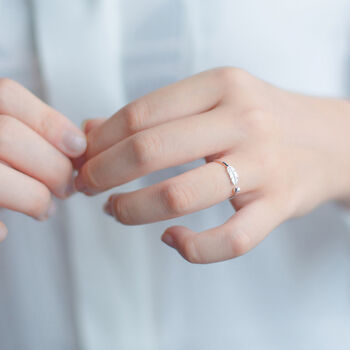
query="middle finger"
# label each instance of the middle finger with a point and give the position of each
(163, 146)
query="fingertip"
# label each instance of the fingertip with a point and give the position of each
(90, 124)
(73, 143)
(84, 124)
(49, 213)
(66, 191)
(79, 184)
(182, 239)
(87, 125)
(108, 208)
(168, 239)
(173, 235)
(178, 231)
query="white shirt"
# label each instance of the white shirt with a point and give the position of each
(84, 281)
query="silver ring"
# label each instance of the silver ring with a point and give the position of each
(232, 173)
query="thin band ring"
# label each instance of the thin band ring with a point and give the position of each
(232, 173)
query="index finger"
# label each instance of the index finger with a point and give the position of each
(17, 102)
(193, 95)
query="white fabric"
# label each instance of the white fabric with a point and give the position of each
(83, 281)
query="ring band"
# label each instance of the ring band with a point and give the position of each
(232, 173)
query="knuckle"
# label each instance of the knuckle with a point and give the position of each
(47, 122)
(239, 241)
(146, 147)
(135, 114)
(230, 77)
(121, 211)
(255, 119)
(178, 199)
(260, 124)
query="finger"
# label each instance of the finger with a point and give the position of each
(193, 95)
(24, 194)
(23, 149)
(19, 103)
(163, 146)
(189, 192)
(3, 231)
(242, 232)
(87, 126)
(90, 124)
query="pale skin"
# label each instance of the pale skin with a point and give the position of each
(36, 147)
(291, 152)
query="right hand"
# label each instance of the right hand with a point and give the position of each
(36, 144)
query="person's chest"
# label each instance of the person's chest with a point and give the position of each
(299, 45)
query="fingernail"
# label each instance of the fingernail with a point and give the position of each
(50, 212)
(109, 207)
(168, 239)
(79, 184)
(73, 142)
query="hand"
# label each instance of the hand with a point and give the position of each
(35, 145)
(291, 153)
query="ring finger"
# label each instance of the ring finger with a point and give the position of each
(189, 192)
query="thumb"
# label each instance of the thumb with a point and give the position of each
(239, 234)
(87, 125)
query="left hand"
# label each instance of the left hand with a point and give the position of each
(291, 152)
